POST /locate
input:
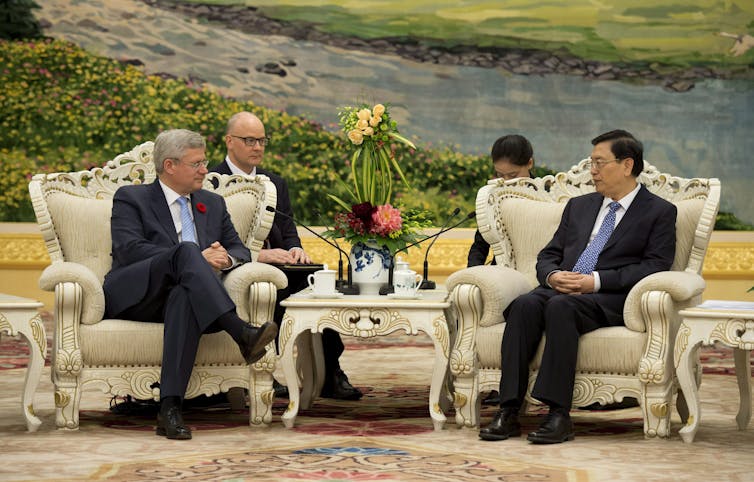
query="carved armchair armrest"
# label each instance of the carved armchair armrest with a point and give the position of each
(92, 297)
(652, 305)
(497, 286)
(480, 295)
(253, 288)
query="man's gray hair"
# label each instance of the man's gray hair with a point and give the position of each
(172, 144)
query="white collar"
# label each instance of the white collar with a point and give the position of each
(625, 201)
(236, 170)
(170, 195)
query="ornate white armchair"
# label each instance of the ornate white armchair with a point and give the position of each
(120, 356)
(518, 218)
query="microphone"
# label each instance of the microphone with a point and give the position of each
(346, 288)
(388, 288)
(426, 284)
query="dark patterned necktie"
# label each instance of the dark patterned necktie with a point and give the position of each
(588, 259)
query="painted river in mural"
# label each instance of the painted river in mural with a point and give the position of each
(706, 132)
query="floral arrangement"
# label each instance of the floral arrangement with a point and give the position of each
(370, 215)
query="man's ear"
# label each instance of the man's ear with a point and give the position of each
(168, 166)
(628, 165)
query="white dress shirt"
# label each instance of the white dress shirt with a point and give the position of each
(625, 203)
(175, 210)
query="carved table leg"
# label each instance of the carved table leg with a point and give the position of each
(687, 381)
(440, 338)
(287, 342)
(28, 323)
(742, 359)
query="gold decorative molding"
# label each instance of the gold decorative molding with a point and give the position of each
(729, 261)
(23, 251)
(724, 260)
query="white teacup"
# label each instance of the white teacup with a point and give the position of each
(406, 282)
(322, 282)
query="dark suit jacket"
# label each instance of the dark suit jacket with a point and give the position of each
(283, 233)
(643, 243)
(142, 227)
(478, 251)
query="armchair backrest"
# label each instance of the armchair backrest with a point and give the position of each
(73, 209)
(519, 217)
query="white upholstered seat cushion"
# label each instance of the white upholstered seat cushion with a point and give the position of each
(614, 349)
(124, 342)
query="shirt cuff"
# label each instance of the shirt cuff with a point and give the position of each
(233, 263)
(597, 284)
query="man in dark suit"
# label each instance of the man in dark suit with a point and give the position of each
(170, 241)
(245, 140)
(606, 242)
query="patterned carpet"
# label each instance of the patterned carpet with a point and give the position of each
(386, 436)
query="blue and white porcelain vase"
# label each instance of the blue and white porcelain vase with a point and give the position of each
(371, 264)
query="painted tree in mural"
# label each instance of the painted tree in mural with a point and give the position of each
(17, 20)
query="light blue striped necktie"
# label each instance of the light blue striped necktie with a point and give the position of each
(588, 259)
(187, 222)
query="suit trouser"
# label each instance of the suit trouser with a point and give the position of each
(563, 319)
(332, 345)
(187, 296)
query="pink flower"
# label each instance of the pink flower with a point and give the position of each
(386, 219)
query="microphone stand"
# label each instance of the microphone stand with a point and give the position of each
(348, 288)
(388, 288)
(345, 287)
(426, 284)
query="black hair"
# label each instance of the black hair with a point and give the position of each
(624, 145)
(515, 148)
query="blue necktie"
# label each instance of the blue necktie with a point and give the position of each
(588, 259)
(187, 223)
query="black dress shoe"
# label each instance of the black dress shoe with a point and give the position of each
(504, 425)
(256, 339)
(556, 428)
(170, 424)
(281, 391)
(339, 388)
(492, 398)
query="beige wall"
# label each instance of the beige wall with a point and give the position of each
(728, 268)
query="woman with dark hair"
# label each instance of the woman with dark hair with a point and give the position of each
(512, 157)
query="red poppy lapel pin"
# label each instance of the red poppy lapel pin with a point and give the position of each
(201, 208)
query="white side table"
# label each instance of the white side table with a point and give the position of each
(21, 315)
(730, 323)
(362, 316)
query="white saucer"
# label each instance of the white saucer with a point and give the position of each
(328, 296)
(396, 296)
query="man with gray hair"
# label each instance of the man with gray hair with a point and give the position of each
(169, 239)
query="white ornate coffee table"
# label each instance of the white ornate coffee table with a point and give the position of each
(362, 316)
(732, 324)
(21, 315)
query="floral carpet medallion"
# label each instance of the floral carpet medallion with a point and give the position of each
(372, 461)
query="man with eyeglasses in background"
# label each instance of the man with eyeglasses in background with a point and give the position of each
(170, 238)
(245, 140)
(606, 242)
